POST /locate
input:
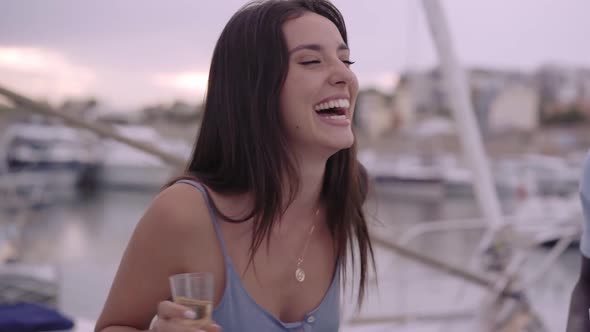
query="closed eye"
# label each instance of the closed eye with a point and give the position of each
(310, 62)
(305, 63)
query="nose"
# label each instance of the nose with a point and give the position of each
(340, 74)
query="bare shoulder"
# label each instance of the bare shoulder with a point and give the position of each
(179, 205)
(177, 226)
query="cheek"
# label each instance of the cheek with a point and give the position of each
(296, 98)
(354, 88)
(291, 93)
(303, 83)
(354, 84)
(290, 111)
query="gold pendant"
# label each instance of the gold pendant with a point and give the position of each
(300, 274)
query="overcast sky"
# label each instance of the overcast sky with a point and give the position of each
(134, 52)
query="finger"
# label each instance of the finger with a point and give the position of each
(211, 328)
(169, 310)
(163, 325)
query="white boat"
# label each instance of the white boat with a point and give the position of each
(405, 175)
(124, 167)
(445, 175)
(51, 157)
(553, 210)
(538, 174)
(553, 174)
(526, 175)
(48, 146)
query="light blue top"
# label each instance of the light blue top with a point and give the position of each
(585, 199)
(237, 311)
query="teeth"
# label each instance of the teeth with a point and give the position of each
(340, 103)
(338, 117)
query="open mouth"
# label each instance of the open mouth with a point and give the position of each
(333, 109)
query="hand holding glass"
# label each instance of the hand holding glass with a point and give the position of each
(195, 291)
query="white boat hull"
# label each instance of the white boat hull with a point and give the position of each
(149, 177)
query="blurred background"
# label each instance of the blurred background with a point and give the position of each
(70, 197)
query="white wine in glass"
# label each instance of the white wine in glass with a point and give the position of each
(194, 291)
(202, 308)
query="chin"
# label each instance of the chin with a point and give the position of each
(334, 145)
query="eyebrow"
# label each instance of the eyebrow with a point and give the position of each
(316, 47)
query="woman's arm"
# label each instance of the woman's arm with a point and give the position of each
(170, 238)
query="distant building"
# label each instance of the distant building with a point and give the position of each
(431, 98)
(119, 117)
(178, 111)
(489, 85)
(181, 111)
(502, 99)
(559, 88)
(419, 95)
(4, 102)
(404, 105)
(516, 108)
(374, 113)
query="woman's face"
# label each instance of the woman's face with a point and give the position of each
(318, 96)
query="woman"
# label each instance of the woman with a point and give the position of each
(272, 200)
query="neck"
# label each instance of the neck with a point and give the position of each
(307, 199)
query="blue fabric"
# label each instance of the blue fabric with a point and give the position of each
(237, 311)
(585, 199)
(29, 317)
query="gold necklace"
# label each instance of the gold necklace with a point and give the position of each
(299, 272)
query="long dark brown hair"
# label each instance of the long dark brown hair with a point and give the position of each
(241, 149)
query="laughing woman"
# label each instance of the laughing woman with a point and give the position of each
(271, 203)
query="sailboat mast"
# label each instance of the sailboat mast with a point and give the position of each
(457, 88)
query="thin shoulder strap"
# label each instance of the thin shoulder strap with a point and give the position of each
(212, 213)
